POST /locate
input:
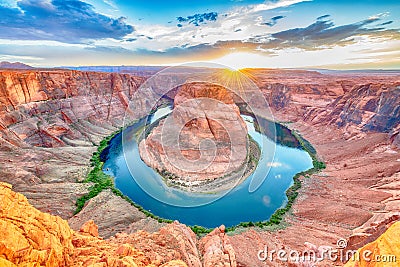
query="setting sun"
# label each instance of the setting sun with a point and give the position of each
(241, 60)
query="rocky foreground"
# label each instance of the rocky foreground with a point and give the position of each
(51, 120)
(33, 238)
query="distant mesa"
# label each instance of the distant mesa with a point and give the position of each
(14, 65)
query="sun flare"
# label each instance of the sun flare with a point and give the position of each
(241, 60)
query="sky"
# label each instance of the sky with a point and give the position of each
(332, 34)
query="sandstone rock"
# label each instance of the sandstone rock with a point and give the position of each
(204, 138)
(110, 212)
(371, 230)
(29, 237)
(173, 241)
(90, 228)
(384, 251)
(217, 250)
(368, 107)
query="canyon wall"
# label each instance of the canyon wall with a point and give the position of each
(51, 120)
(60, 108)
(356, 104)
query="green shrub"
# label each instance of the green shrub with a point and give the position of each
(102, 181)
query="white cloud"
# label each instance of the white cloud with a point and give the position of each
(379, 16)
(269, 5)
(38, 43)
(224, 29)
(365, 50)
(20, 58)
(9, 3)
(111, 3)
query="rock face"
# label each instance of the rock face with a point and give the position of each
(384, 251)
(29, 237)
(173, 241)
(50, 122)
(32, 238)
(204, 138)
(110, 212)
(370, 231)
(52, 109)
(354, 103)
(217, 250)
(369, 107)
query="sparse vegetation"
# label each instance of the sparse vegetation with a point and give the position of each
(101, 181)
(96, 176)
(291, 192)
(200, 230)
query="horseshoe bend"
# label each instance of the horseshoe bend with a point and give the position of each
(52, 122)
(203, 139)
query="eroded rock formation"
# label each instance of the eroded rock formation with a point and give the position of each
(384, 251)
(32, 238)
(51, 120)
(29, 237)
(355, 103)
(203, 139)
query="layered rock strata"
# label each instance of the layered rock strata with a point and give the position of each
(29, 237)
(203, 139)
(354, 196)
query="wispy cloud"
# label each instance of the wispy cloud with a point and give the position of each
(269, 5)
(111, 3)
(320, 34)
(386, 23)
(323, 17)
(236, 23)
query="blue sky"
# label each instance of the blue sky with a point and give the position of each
(240, 33)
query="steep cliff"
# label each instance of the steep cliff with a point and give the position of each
(55, 108)
(29, 236)
(51, 120)
(369, 107)
(356, 104)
